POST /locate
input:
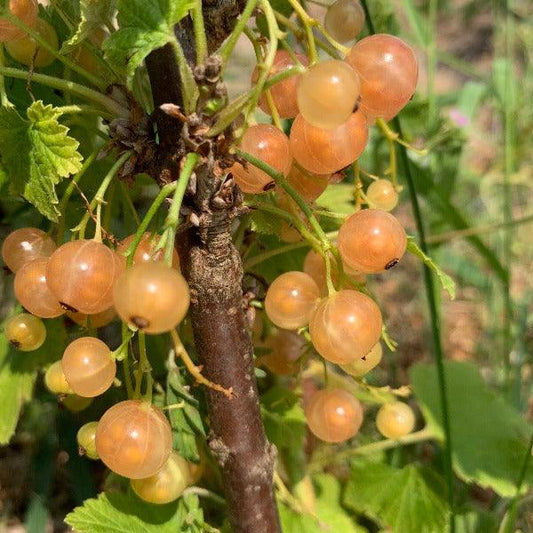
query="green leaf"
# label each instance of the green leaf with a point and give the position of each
(94, 14)
(115, 512)
(339, 199)
(186, 421)
(490, 438)
(145, 25)
(37, 153)
(329, 515)
(265, 223)
(446, 281)
(407, 499)
(18, 371)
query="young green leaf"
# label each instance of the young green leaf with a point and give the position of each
(93, 15)
(483, 426)
(446, 281)
(115, 512)
(144, 25)
(407, 499)
(37, 154)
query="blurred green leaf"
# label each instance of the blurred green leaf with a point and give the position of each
(402, 500)
(329, 516)
(339, 198)
(185, 419)
(115, 512)
(490, 438)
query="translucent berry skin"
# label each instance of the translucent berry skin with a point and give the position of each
(371, 241)
(88, 366)
(327, 94)
(334, 415)
(24, 245)
(309, 186)
(25, 332)
(31, 290)
(388, 70)
(381, 194)
(82, 273)
(344, 20)
(86, 438)
(26, 11)
(146, 252)
(360, 367)
(345, 326)
(98, 320)
(271, 146)
(55, 381)
(286, 347)
(167, 484)
(290, 300)
(24, 49)
(134, 439)
(395, 420)
(283, 93)
(326, 151)
(152, 296)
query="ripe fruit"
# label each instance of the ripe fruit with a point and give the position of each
(146, 251)
(271, 146)
(55, 380)
(86, 438)
(28, 51)
(395, 420)
(290, 300)
(309, 186)
(388, 70)
(97, 320)
(345, 326)
(31, 290)
(82, 273)
(26, 11)
(326, 151)
(360, 367)
(283, 93)
(167, 484)
(381, 194)
(25, 332)
(286, 348)
(344, 20)
(152, 296)
(24, 245)
(88, 366)
(371, 241)
(334, 415)
(134, 439)
(327, 94)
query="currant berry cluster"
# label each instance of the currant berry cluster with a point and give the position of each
(331, 105)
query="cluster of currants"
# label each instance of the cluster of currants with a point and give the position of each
(333, 103)
(90, 282)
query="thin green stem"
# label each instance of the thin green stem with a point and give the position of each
(82, 109)
(200, 38)
(259, 258)
(143, 226)
(372, 448)
(100, 193)
(98, 82)
(144, 367)
(227, 48)
(173, 217)
(68, 193)
(4, 100)
(308, 24)
(128, 203)
(68, 86)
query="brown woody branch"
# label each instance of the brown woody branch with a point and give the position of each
(213, 268)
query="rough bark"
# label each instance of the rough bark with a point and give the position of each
(213, 268)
